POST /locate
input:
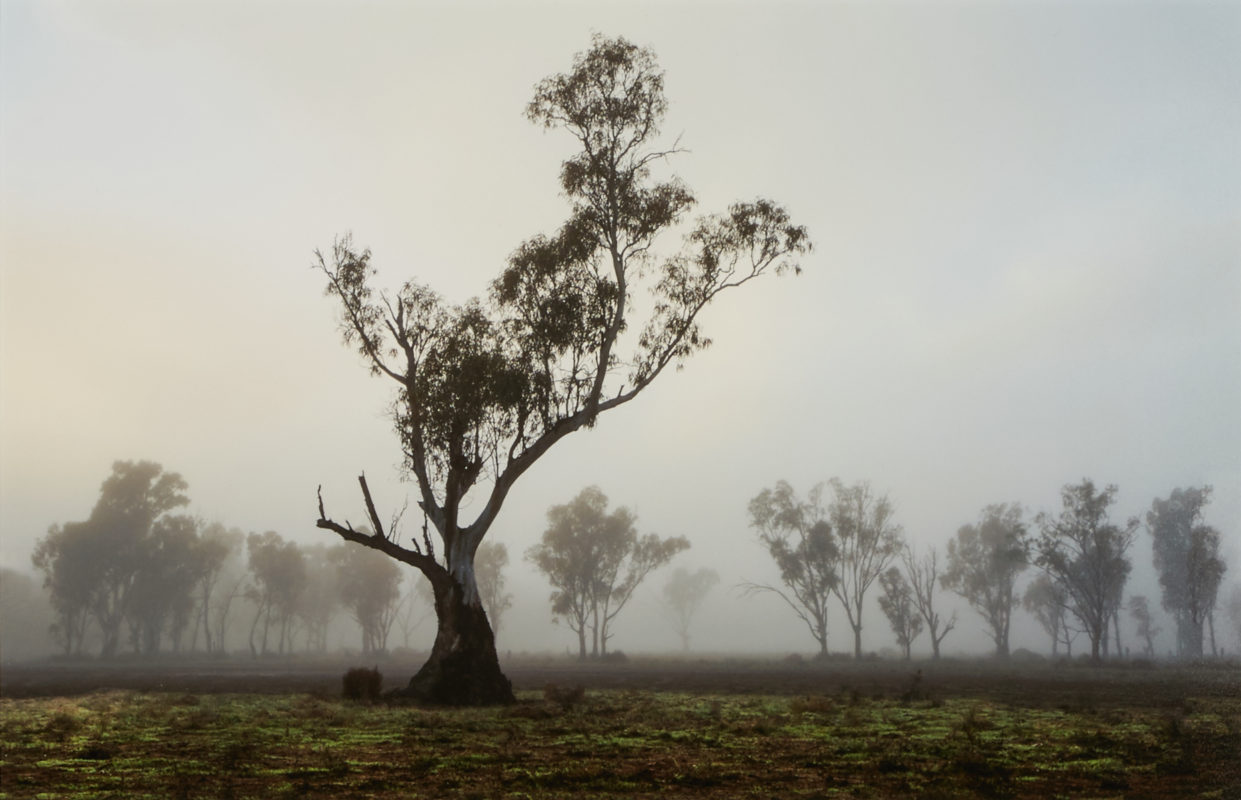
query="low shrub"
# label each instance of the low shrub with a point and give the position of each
(360, 683)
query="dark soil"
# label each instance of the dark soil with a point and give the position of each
(1036, 684)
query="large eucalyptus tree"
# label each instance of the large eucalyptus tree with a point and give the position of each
(487, 388)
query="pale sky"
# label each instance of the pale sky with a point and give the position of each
(1027, 271)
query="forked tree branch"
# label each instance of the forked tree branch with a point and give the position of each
(423, 562)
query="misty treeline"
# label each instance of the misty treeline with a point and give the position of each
(142, 576)
(842, 541)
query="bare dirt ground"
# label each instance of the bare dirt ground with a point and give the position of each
(1037, 684)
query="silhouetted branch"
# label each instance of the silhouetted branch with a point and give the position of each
(370, 507)
(423, 562)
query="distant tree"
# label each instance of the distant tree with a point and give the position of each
(162, 599)
(99, 561)
(320, 600)
(594, 560)
(1085, 553)
(1049, 603)
(489, 564)
(219, 583)
(683, 594)
(486, 389)
(984, 561)
(1233, 609)
(923, 574)
(898, 605)
(132, 499)
(26, 616)
(65, 557)
(370, 588)
(1140, 611)
(278, 578)
(799, 539)
(868, 539)
(1187, 558)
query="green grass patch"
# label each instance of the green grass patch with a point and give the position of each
(614, 742)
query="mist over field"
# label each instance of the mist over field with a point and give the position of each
(1026, 272)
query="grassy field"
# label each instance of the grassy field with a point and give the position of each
(128, 744)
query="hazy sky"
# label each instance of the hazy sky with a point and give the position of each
(1027, 221)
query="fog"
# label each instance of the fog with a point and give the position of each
(1027, 269)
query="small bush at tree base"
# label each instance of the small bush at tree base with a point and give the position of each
(362, 684)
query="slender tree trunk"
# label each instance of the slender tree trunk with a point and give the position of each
(594, 635)
(857, 642)
(254, 626)
(221, 631)
(1116, 629)
(1211, 628)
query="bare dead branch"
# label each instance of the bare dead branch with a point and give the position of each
(370, 507)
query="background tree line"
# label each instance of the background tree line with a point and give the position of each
(838, 547)
(140, 575)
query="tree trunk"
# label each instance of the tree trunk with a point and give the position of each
(857, 642)
(463, 669)
(1116, 632)
(1195, 637)
(594, 635)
